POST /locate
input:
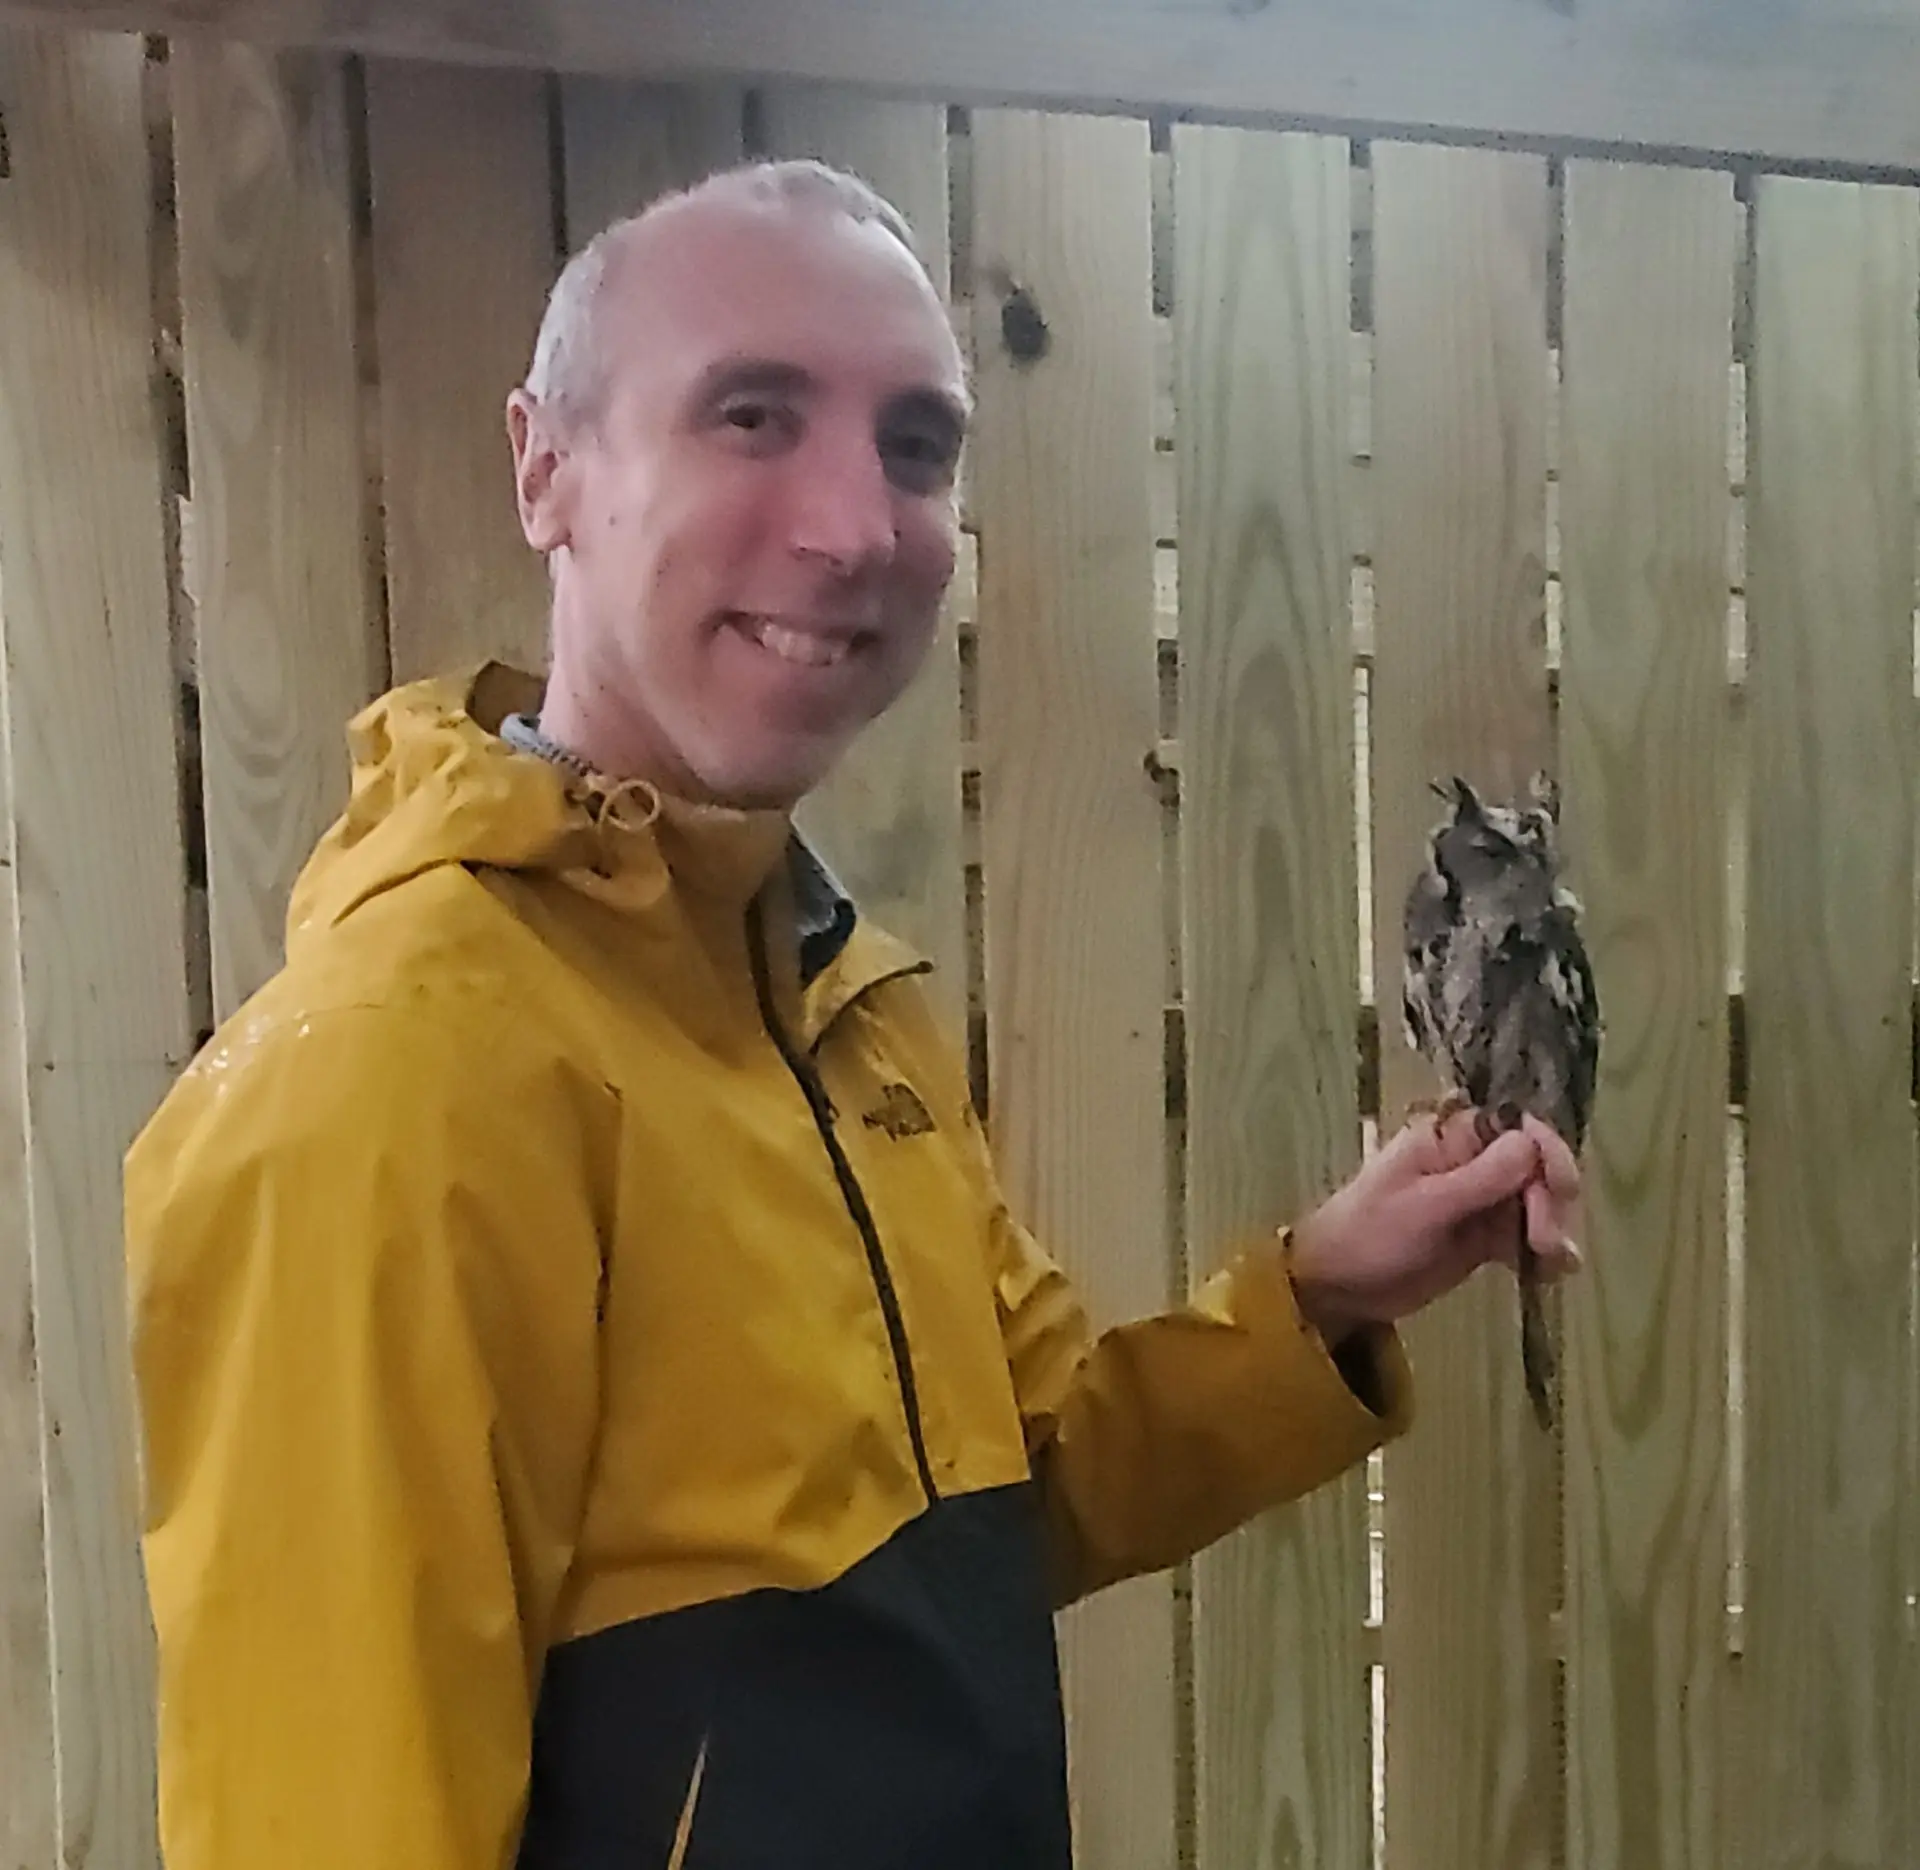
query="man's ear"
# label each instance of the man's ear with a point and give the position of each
(542, 482)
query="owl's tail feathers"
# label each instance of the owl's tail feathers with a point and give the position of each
(1536, 1346)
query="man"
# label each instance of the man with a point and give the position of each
(582, 1430)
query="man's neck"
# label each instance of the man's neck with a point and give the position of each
(610, 745)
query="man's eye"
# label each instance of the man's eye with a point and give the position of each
(918, 457)
(759, 424)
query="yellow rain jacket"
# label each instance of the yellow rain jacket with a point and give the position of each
(597, 1404)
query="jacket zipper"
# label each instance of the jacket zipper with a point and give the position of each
(808, 1078)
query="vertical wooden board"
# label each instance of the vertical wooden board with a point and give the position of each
(889, 818)
(1071, 834)
(29, 1817)
(627, 142)
(1910, 1522)
(1459, 685)
(1828, 1713)
(287, 637)
(1645, 741)
(900, 149)
(1269, 886)
(100, 873)
(463, 255)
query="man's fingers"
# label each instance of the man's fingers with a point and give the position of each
(1458, 1142)
(1553, 1249)
(1496, 1174)
(1561, 1168)
(1564, 1260)
(1485, 1194)
(1546, 1224)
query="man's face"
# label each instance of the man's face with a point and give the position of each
(751, 545)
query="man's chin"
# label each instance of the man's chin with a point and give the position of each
(772, 787)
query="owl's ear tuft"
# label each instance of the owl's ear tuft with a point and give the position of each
(1462, 797)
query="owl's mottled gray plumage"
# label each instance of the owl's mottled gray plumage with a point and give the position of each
(1499, 993)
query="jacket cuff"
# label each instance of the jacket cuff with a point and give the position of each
(1364, 1383)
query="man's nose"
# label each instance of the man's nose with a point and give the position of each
(842, 505)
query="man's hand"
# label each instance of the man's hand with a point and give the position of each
(1427, 1211)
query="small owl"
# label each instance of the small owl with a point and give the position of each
(1500, 996)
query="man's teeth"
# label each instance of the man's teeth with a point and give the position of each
(817, 652)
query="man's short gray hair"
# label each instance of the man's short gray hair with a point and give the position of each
(568, 375)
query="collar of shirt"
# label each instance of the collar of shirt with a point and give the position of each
(823, 910)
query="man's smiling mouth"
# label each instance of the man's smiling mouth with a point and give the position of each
(811, 649)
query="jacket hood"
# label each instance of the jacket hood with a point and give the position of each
(433, 783)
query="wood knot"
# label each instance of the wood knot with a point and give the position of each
(1022, 329)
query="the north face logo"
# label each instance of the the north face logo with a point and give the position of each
(900, 1113)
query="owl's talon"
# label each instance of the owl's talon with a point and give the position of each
(1442, 1110)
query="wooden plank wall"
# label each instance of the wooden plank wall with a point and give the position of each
(1076, 967)
(1459, 685)
(1791, 81)
(1829, 1717)
(284, 611)
(1344, 468)
(28, 1832)
(450, 151)
(1645, 731)
(1270, 964)
(100, 874)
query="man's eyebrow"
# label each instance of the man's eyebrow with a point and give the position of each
(768, 376)
(733, 376)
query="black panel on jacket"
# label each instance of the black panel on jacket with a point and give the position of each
(905, 1717)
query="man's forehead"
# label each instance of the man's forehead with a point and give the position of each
(719, 275)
